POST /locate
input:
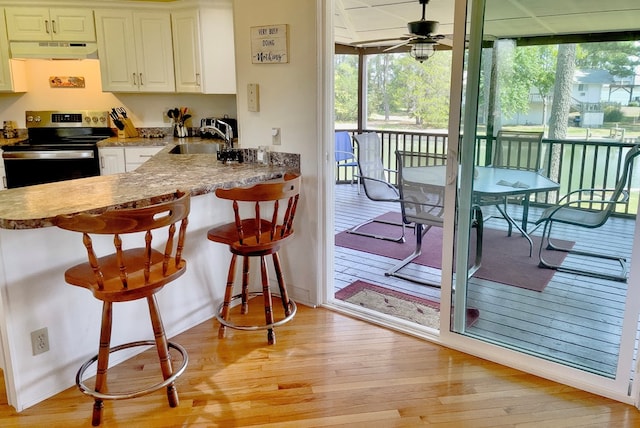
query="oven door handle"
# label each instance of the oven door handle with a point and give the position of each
(50, 154)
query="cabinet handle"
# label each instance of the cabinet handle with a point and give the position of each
(135, 80)
(53, 25)
(46, 26)
(198, 79)
(141, 82)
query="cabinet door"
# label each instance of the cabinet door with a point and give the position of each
(114, 31)
(136, 156)
(72, 25)
(186, 51)
(154, 52)
(42, 24)
(12, 72)
(219, 63)
(111, 160)
(28, 23)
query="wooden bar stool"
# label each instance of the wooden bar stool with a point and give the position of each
(258, 236)
(130, 274)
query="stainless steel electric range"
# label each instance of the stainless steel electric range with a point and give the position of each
(62, 145)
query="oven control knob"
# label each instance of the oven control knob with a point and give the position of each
(37, 118)
(95, 119)
(29, 118)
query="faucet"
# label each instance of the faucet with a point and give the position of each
(227, 134)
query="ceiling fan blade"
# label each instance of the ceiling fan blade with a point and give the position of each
(390, 39)
(446, 42)
(406, 42)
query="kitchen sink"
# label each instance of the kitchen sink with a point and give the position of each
(195, 148)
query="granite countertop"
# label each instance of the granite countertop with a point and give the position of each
(35, 206)
(142, 141)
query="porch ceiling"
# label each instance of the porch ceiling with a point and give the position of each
(359, 20)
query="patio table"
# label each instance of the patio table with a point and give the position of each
(492, 182)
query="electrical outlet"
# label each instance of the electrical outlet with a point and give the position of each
(40, 341)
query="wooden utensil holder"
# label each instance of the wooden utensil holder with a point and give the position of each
(129, 130)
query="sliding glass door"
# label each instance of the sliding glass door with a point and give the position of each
(549, 101)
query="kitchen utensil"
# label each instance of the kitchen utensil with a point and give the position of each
(116, 119)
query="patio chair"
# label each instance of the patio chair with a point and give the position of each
(515, 150)
(588, 208)
(421, 180)
(374, 180)
(345, 156)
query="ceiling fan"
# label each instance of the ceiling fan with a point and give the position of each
(421, 37)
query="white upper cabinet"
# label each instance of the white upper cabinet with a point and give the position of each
(187, 51)
(12, 73)
(43, 24)
(204, 55)
(135, 51)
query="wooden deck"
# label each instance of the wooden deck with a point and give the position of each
(576, 320)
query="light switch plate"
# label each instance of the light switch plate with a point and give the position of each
(253, 97)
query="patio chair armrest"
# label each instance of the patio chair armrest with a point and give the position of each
(577, 204)
(364, 177)
(568, 196)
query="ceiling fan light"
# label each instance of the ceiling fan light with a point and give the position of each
(422, 50)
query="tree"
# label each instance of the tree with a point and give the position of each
(535, 67)
(620, 59)
(346, 88)
(423, 88)
(559, 119)
(380, 72)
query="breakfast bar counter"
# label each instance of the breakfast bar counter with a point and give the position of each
(35, 206)
(34, 257)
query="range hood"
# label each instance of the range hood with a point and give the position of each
(54, 50)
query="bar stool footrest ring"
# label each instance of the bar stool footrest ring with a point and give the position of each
(235, 326)
(125, 395)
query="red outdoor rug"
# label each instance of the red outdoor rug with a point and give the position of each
(504, 259)
(411, 308)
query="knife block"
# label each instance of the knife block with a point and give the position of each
(129, 130)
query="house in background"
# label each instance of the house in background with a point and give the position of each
(590, 93)
(588, 86)
(623, 90)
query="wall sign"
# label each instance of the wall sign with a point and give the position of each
(269, 44)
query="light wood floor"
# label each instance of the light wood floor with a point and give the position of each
(331, 370)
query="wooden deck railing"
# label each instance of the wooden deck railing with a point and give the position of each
(581, 163)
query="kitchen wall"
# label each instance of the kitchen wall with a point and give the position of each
(289, 100)
(146, 110)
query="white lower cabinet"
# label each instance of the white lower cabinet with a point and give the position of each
(114, 160)
(111, 160)
(136, 156)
